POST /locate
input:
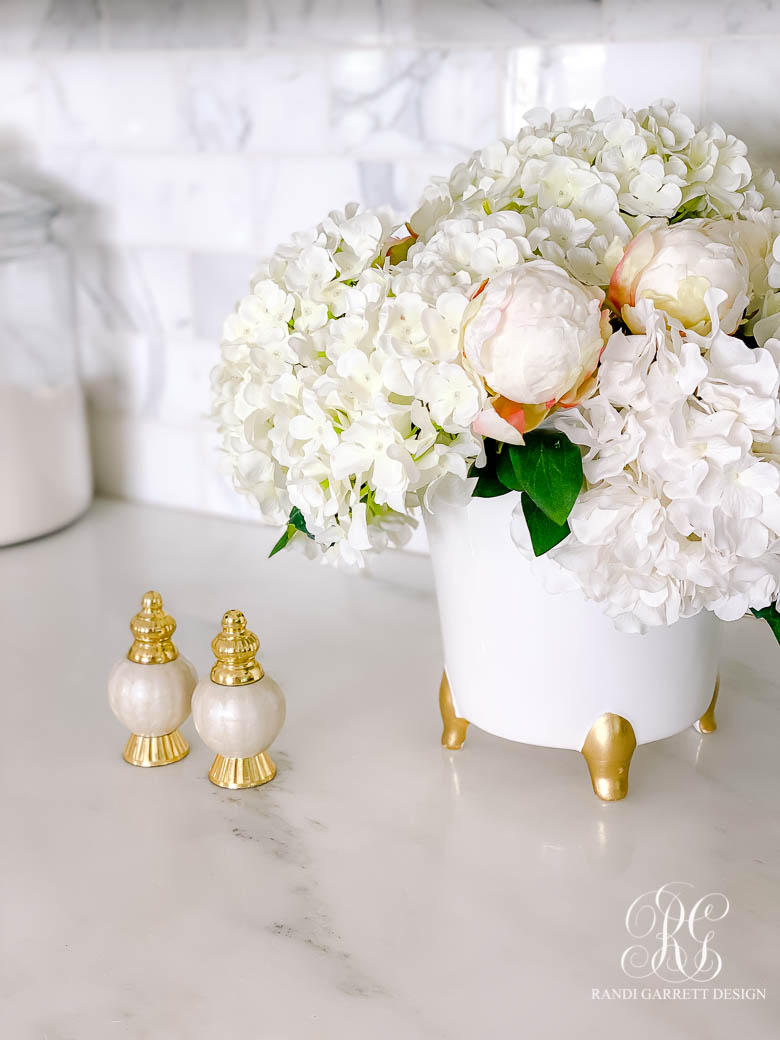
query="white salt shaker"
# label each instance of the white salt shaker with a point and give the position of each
(150, 690)
(238, 711)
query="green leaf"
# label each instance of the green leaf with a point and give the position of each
(544, 533)
(296, 522)
(548, 467)
(771, 615)
(289, 531)
(489, 484)
(505, 468)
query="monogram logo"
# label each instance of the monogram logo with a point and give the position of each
(675, 943)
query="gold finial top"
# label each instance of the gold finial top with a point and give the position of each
(152, 629)
(235, 648)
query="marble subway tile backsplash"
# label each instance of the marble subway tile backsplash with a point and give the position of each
(575, 74)
(398, 102)
(59, 24)
(185, 138)
(688, 19)
(430, 22)
(195, 201)
(152, 24)
(365, 102)
(749, 101)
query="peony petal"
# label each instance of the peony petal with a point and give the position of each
(490, 424)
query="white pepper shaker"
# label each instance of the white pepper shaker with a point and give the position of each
(238, 711)
(150, 690)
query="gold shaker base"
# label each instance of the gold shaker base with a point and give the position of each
(236, 773)
(707, 723)
(155, 751)
(454, 732)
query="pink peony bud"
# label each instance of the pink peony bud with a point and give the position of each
(675, 266)
(534, 335)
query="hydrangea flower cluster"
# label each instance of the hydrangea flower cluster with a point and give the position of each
(681, 509)
(610, 277)
(315, 399)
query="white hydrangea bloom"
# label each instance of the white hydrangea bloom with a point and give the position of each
(337, 400)
(681, 510)
(344, 390)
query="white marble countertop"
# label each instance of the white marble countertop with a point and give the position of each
(380, 887)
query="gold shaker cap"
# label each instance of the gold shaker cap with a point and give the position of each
(152, 629)
(235, 648)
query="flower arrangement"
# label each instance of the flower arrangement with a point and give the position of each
(588, 314)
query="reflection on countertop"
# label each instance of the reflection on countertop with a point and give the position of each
(379, 886)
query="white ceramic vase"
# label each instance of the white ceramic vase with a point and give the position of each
(552, 669)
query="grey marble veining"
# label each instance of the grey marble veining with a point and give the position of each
(688, 19)
(503, 21)
(379, 886)
(71, 24)
(371, 102)
(176, 23)
(395, 102)
(56, 24)
(341, 22)
(467, 22)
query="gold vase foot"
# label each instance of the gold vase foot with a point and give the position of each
(238, 773)
(454, 732)
(155, 751)
(707, 723)
(608, 748)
